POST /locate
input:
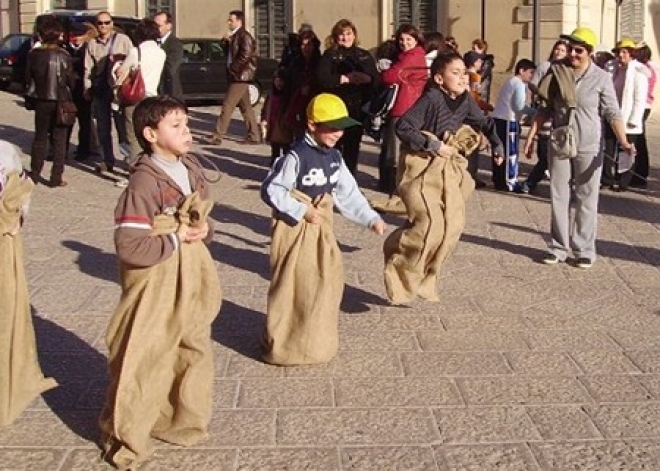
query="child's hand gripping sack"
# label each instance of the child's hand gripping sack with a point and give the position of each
(192, 217)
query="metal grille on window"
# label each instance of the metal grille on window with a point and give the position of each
(154, 6)
(421, 13)
(631, 19)
(70, 4)
(272, 23)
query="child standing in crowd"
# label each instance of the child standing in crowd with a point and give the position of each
(21, 379)
(159, 338)
(307, 273)
(274, 130)
(435, 183)
(509, 108)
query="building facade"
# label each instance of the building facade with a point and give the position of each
(507, 25)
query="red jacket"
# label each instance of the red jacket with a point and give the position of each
(411, 73)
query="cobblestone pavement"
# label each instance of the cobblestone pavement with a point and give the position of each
(519, 367)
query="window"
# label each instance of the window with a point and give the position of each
(70, 4)
(631, 19)
(421, 13)
(193, 52)
(154, 6)
(273, 20)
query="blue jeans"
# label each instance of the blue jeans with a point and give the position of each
(102, 108)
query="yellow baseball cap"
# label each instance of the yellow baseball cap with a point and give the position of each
(330, 110)
(582, 35)
(625, 43)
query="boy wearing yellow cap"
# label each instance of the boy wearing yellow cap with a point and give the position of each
(306, 267)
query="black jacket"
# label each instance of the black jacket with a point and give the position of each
(48, 71)
(339, 61)
(170, 80)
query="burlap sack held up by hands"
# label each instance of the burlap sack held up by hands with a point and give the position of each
(21, 378)
(161, 334)
(434, 190)
(306, 290)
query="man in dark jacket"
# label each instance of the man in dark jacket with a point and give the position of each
(241, 51)
(76, 47)
(170, 81)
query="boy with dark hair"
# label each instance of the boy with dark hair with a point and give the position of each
(307, 273)
(508, 110)
(159, 338)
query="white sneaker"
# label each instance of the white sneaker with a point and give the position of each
(125, 150)
(121, 183)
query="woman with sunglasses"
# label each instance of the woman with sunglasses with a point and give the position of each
(596, 100)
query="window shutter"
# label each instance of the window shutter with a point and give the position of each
(421, 13)
(271, 26)
(631, 19)
(154, 6)
(70, 4)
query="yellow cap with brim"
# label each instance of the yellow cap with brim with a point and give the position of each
(582, 35)
(330, 110)
(625, 43)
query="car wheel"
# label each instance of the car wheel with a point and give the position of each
(254, 90)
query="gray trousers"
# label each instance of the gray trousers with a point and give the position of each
(578, 232)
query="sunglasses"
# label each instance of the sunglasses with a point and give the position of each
(101, 23)
(579, 50)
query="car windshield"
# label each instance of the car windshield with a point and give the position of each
(13, 43)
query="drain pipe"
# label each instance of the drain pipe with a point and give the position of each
(536, 31)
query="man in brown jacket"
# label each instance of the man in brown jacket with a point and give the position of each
(240, 49)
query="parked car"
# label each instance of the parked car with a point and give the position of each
(13, 55)
(12, 66)
(204, 72)
(124, 24)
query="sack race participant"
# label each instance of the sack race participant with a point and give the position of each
(21, 379)
(435, 183)
(306, 267)
(159, 339)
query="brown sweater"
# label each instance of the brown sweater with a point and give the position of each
(151, 192)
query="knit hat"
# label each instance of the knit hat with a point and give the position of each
(330, 110)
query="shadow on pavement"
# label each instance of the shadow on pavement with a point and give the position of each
(244, 259)
(242, 165)
(226, 214)
(77, 367)
(606, 248)
(357, 300)
(240, 329)
(94, 262)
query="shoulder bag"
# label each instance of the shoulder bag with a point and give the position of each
(132, 91)
(66, 110)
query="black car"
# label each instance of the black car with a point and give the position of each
(12, 65)
(123, 24)
(204, 72)
(13, 54)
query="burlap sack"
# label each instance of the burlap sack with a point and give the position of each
(434, 191)
(305, 291)
(160, 354)
(21, 379)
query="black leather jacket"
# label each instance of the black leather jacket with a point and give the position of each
(243, 49)
(48, 69)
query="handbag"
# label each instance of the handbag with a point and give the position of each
(132, 91)
(563, 139)
(65, 111)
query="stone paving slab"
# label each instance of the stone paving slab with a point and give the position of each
(519, 366)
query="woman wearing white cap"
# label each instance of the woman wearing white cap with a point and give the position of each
(592, 95)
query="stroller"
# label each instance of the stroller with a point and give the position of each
(376, 110)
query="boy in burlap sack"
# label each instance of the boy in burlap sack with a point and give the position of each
(21, 379)
(307, 272)
(435, 183)
(159, 339)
